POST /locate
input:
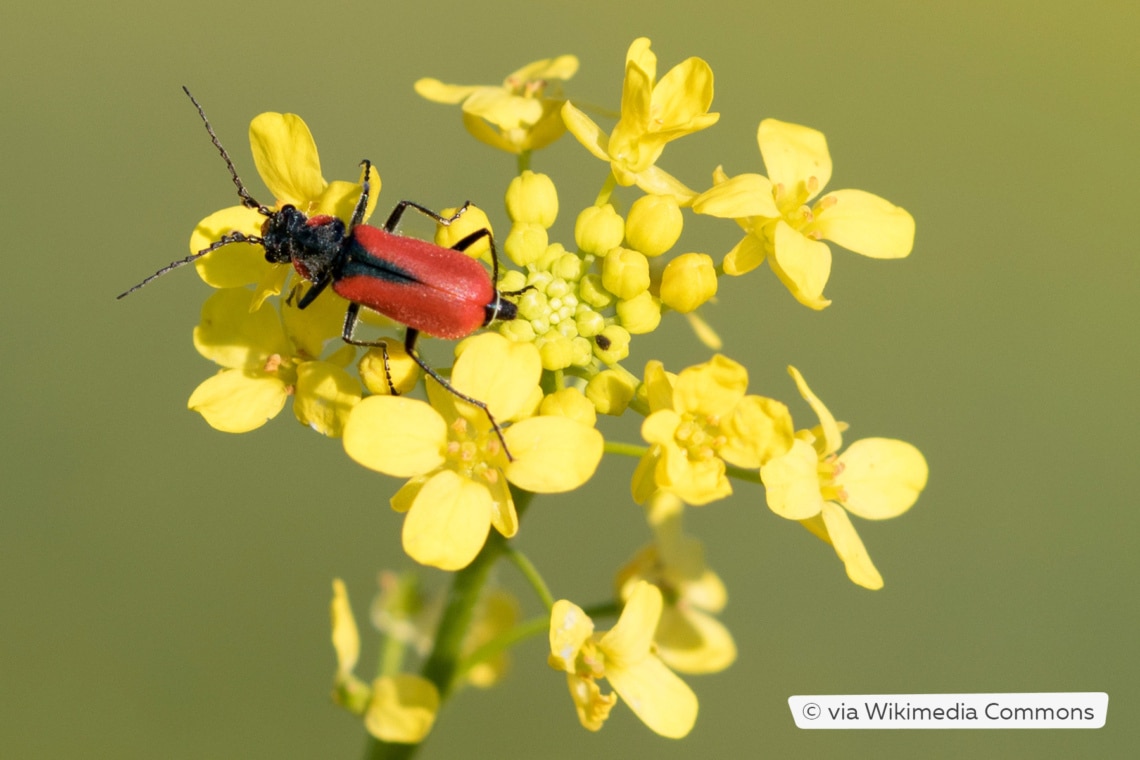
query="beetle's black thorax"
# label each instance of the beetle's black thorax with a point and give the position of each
(289, 236)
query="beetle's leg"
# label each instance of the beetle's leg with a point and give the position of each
(402, 206)
(410, 346)
(362, 204)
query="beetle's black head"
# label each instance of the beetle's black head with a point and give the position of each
(312, 245)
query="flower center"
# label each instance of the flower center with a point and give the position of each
(830, 467)
(472, 451)
(700, 436)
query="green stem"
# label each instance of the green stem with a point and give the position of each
(530, 572)
(503, 641)
(626, 449)
(442, 666)
(524, 161)
(391, 656)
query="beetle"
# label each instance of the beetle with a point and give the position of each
(441, 292)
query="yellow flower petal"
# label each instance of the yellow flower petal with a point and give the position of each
(340, 198)
(758, 429)
(629, 641)
(502, 108)
(395, 435)
(586, 131)
(438, 92)
(570, 627)
(660, 426)
(742, 196)
(498, 372)
(748, 254)
(791, 483)
(405, 497)
(802, 264)
(237, 401)
(236, 264)
(841, 534)
(312, 328)
(448, 523)
(682, 97)
(713, 388)
(691, 641)
(504, 518)
(345, 636)
(232, 336)
(640, 54)
(286, 158)
(657, 696)
(866, 224)
(657, 181)
(324, 397)
(794, 154)
(403, 708)
(592, 706)
(698, 482)
(644, 483)
(832, 433)
(881, 477)
(552, 454)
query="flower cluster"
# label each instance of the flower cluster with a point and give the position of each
(546, 371)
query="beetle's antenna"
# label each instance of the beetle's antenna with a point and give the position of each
(246, 199)
(233, 237)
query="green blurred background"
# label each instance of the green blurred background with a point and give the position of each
(164, 587)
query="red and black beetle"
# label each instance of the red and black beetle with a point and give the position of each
(438, 291)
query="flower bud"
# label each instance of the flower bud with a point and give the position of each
(472, 220)
(688, 281)
(525, 243)
(610, 391)
(641, 314)
(598, 229)
(625, 273)
(654, 224)
(532, 199)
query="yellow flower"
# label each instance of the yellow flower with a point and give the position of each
(267, 357)
(623, 655)
(699, 420)
(783, 228)
(875, 478)
(653, 113)
(396, 708)
(688, 638)
(403, 708)
(522, 114)
(458, 469)
(286, 158)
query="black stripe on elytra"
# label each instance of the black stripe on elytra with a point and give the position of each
(361, 263)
